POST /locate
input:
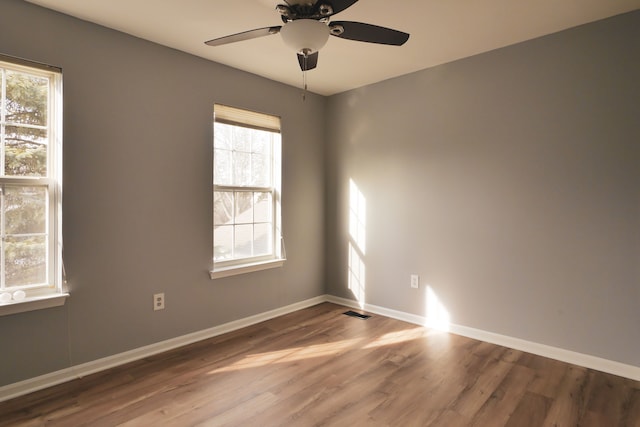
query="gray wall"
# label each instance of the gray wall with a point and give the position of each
(137, 194)
(510, 182)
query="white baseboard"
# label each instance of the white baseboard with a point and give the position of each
(78, 371)
(568, 356)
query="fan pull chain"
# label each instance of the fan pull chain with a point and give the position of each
(304, 77)
(304, 85)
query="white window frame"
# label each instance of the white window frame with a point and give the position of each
(51, 293)
(265, 122)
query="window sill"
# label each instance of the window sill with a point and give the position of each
(245, 268)
(34, 303)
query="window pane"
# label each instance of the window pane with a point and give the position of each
(262, 207)
(241, 168)
(261, 170)
(261, 158)
(244, 207)
(222, 167)
(25, 260)
(241, 139)
(222, 207)
(242, 156)
(27, 98)
(262, 239)
(25, 151)
(243, 241)
(261, 143)
(25, 210)
(222, 242)
(222, 135)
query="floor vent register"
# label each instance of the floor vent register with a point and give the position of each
(358, 315)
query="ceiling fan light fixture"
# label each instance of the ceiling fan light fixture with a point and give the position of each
(305, 35)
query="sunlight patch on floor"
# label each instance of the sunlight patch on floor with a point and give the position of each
(397, 337)
(288, 355)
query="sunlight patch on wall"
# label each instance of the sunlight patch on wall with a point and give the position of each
(437, 314)
(357, 216)
(357, 242)
(356, 275)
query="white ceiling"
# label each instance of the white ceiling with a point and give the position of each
(441, 31)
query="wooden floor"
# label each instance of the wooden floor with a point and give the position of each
(319, 367)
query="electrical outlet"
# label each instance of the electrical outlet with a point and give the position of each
(158, 301)
(415, 281)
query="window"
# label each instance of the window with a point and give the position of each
(30, 191)
(246, 192)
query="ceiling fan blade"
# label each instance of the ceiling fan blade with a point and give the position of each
(308, 63)
(339, 5)
(246, 35)
(369, 33)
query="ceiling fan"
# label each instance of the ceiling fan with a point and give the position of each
(307, 28)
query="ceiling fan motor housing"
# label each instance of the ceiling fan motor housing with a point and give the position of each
(304, 10)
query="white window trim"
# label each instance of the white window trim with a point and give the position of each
(241, 117)
(33, 303)
(54, 294)
(235, 270)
